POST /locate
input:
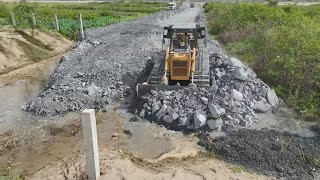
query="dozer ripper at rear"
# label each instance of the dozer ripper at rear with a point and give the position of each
(183, 63)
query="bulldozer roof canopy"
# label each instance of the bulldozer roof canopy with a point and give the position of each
(184, 27)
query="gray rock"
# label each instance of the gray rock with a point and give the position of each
(235, 121)
(199, 119)
(216, 111)
(236, 95)
(183, 121)
(190, 103)
(155, 107)
(162, 111)
(263, 92)
(243, 123)
(260, 106)
(272, 98)
(204, 100)
(80, 74)
(215, 124)
(142, 113)
(93, 90)
(168, 118)
(96, 43)
(154, 92)
(241, 74)
(238, 116)
(172, 113)
(248, 119)
(236, 62)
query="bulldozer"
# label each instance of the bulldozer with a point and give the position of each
(183, 63)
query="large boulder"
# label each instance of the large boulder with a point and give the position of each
(241, 74)
(272, 98)
(216, 111)
(199, 119)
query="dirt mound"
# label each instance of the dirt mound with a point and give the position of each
(270, 152)
(19, 48)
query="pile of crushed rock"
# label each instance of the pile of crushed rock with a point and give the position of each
(102, 68)
(269, 152)
(232, 101)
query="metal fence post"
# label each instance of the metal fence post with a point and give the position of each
(81, 27)
(91, 143)
(56, 23)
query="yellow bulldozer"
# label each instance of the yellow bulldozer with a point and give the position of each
(183, 63)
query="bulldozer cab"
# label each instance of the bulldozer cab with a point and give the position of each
(183, 41)
(183, 36)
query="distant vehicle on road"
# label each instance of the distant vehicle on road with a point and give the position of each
(172, 6)
(192, 4)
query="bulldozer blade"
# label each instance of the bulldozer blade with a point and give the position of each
(143, 89)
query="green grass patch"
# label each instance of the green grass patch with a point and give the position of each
(94, 14)
(34, 54)
(281, 43)
(208, 154)
(237, 169)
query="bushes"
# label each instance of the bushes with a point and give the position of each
(280, 43)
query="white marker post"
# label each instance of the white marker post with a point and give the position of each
(81, 27)
(13, 20)
(91, 143)
(56, 22)
(34, 20)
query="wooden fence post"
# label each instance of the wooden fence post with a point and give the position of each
(91, 143)
(81, 27)
(56, 23)
(13, 20)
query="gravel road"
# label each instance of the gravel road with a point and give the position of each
(104, 66)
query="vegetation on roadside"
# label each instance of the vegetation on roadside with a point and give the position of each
(93, 14)
(281, 43)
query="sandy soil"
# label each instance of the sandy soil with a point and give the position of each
(60, 154)
(14, 56)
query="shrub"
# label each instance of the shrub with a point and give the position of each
(280, 43)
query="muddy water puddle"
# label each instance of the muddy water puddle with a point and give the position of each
(12, 99)
(284, 119)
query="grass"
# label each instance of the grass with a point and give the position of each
(94, 14)
(34, 41)
(34, 54)
(208, 154)
(99, 117)
(281, 43)
(10, 173)
(237, 169)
